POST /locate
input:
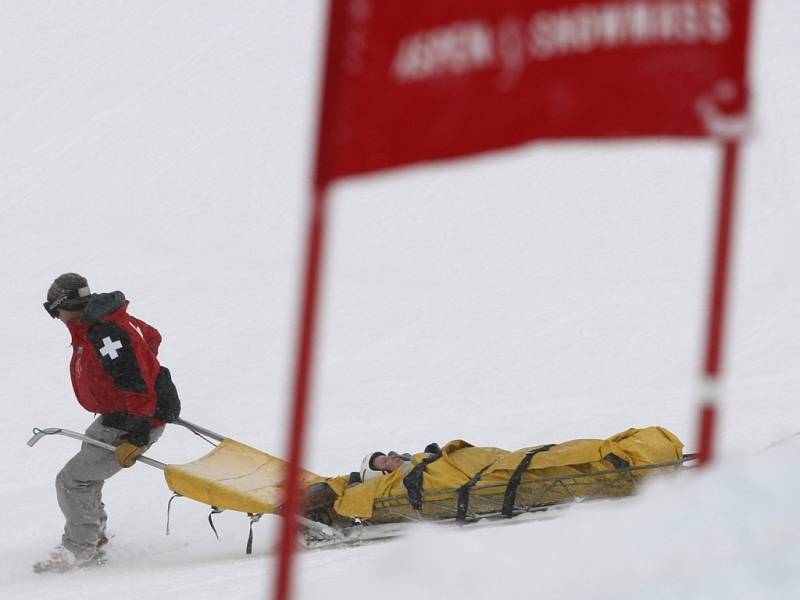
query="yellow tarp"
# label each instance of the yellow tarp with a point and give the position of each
(234, 477)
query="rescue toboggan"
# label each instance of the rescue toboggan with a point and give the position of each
(458, 484)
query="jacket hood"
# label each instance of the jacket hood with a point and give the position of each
(102, 305)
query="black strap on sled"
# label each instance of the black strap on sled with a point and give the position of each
(617, 462)
(413, 481)
(510, 497)
(253, 519)
(463, 495)
(214, 511)
(169, 506)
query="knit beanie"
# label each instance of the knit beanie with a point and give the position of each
(69, 291)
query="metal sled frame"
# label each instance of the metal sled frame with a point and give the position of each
(38, 434)
(318, 535)
(483, 498)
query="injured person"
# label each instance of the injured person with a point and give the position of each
(319, 498)
(377, 464)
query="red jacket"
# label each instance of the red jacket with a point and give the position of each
(114, 359)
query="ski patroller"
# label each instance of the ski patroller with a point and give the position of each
(459, 485)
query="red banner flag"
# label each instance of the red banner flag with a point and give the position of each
(419, 80)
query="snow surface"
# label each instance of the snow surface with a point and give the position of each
(553, 292)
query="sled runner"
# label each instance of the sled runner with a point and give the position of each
(458, 484)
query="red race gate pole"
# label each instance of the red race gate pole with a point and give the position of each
(715, 328)
(293, 502)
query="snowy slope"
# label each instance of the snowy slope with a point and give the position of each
(163, 148)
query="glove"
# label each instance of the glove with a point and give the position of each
(127, 453)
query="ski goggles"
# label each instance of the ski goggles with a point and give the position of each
(67, 301)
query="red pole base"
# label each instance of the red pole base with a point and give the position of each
(708, 424)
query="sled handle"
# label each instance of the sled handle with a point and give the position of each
(40, 433)
(197, 429)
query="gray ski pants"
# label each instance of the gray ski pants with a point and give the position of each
(79, 488)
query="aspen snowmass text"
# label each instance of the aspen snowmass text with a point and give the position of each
(468, 46)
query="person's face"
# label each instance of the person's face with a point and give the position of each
(388, 463)
(68, 316)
